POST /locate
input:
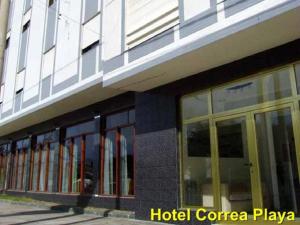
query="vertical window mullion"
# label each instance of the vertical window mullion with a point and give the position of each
(47, 167)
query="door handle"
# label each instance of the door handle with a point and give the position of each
(248, 164)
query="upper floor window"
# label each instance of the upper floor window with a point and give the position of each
(51, 24)
(11, 4)
(27, 5)
(146, 19)
(23, 47)
(91, 8)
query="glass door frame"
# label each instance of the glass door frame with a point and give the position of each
(257, 195)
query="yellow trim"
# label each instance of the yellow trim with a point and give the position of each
(248, 112)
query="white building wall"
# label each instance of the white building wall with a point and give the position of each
(35, 48)
(68, 41)
(9, 91)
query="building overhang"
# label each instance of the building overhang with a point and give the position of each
(195, 54)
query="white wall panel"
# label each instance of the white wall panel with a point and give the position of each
(91, 32)
(48, 63)
(1, 93)
(13, 56)
(195, 7)
(35, 48)
(147, 18)
(68, 41)
(112, 28)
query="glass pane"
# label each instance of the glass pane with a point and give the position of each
(66, 167)
(117, 119)
(297, 70)
(197, 174)
(91, 8)
(126, 159)
(193, 106)
(20, 170)
(26, 169)
(91, 169)
(43, 168)
(27, 5)
(278, 165)
(76, 180)
(234, 165)
(83, 128)
(89, 62)
(35, 170)
(109, 179)
(23, 49)
(246, 93)
(15, 171)
(53, 167)
(50, 27)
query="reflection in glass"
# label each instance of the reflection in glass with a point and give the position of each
(193, 106)
(246, 93)
(197, 174)
(66, 166)
(76, 180)
(20, 169)
(126, 158)
(234, 165)
(109, 179)
(53, 167)
(278, 165)
(43, 168)
(91, 169)
(35, 169)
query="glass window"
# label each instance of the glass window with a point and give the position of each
(245, 93)
(120, 119)
(35, 170)
(126, 158)
(91, 167)
(234, 163)
(197, 167)
(51, 25)
(53, 167)
(89, 60)
(27, 5)
(83, 128)
(4, 152)
(194, 106)
(66, 166)
(43, 168)
(278, 164)
(297, 71)
(90, 9)
(11, 5)
(20, 169)
(5, 61)
(109, 179)
(23, 47)
(76, 165)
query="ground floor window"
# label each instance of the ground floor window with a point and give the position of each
(44, 163)
(118, 155)
(75, 160)
(81, 158)
(240, 144)
(4, 159)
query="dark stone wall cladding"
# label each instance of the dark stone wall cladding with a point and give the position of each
(156, 155)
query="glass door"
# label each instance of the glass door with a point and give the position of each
(276, 147)
(235, 164)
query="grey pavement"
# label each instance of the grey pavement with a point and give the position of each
(12, 214)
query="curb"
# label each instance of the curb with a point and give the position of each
(75, 209)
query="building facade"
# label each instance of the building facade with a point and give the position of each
(143, 104)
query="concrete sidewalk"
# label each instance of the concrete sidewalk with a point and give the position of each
(13, 214)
